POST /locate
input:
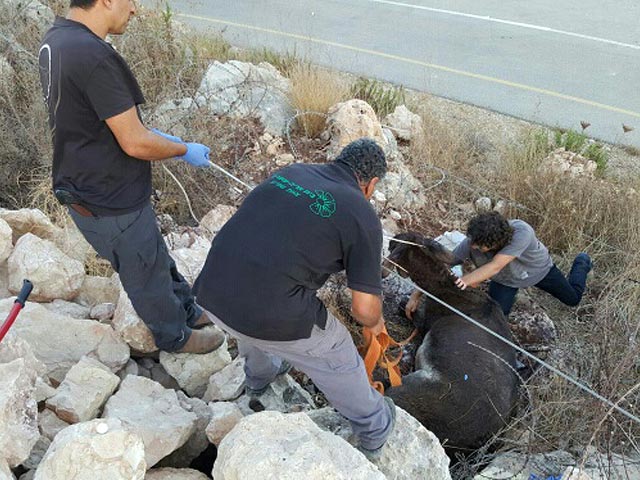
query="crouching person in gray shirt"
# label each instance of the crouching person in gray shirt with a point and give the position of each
(508, 253)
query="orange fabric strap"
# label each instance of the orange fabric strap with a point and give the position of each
(375, 354)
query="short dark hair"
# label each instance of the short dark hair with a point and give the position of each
(84, 4)
(365, 157)
(490, 230)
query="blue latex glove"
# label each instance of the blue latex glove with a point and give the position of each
(171, 138)
(197, 155)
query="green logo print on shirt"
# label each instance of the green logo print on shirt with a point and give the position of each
(324, 204)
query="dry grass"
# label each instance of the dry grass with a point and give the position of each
(315, 90)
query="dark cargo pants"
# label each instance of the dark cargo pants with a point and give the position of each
(160, 295)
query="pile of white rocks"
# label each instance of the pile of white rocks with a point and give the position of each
(85, 394)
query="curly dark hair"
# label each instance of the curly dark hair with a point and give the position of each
(490, 230)
(84, 4)
(365, 157)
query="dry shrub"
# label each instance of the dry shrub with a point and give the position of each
(315, 90)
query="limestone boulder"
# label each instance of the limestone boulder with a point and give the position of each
(53, 274)
(102, 449)
(67, 309)
(71, 241)
(37, 453)
(215, 219)
(154, 413)
(96, 290)
(288, 447)
(284, 394)
(50, 424)
(4, 281)
(351, 120)
(192, 371)
(189, 261)
(227, 384)
(34, 12)
(5, 471)
(411, 449)
(103, 312)
(403, 191)
(6, 240)
(563, 162)
(131, 327)
(241, 89)
(29, 220)
(18, 412)
(175, 474)
(83, 392)
(404, 124)
(13, 347)
(224, 417)
(198, 441)
(60, 342)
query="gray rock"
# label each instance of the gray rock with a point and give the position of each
(175, 474)
(240, 89)
(154, 413)
(50, 424)
(60, 342)
(160, 375)
(197, 442)
(131, 368)
(227, 384)
(403, 191)
(68, 309)
(283, 395)
(28, 220)
(224, 416)
(6, 242)
(131, 327)
(102, 449)
(18, 412)
(288, 447)
(53, 274)
(103, 312)
(404, 124)
(192, 371)
(97, 290)
(83, 392)
(37, 452)
(411, 450)
(483, 205)
(189, 261)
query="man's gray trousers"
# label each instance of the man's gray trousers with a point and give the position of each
(331, 361)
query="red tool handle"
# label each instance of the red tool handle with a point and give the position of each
(27, 286)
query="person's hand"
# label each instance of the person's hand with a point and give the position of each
(461, 284)
(412, 305)
(197, 155)
(378, 328)
(171, 138)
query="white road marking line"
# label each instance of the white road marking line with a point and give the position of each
(508, 22)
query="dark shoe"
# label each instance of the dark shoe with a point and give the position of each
(583, 259)
(285, 367)
(203, 341)
(375, 453)
(203, 321)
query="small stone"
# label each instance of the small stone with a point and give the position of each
(483, 205)
(103, 312)
(227, 384)
(224, 416)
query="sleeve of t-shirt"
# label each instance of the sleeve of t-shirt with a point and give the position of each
(107, 89)
(520, 242)
(462, 252)
(363, 261)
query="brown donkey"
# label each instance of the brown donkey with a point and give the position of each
(463, 388)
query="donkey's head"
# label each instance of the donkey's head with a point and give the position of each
(423, 259)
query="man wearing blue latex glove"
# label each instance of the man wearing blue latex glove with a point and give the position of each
(197, 154)
(102, 170)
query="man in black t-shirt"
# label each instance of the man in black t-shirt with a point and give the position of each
(102, 170)
(267, 262)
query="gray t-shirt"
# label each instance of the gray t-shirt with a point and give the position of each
(532, 262)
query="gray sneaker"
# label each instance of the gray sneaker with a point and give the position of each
(374, 454)
(285, 367)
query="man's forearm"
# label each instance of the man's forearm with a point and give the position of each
(151, 147)
(480, 274)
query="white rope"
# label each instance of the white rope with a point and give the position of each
(184, 192)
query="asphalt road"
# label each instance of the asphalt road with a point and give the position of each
(554, 62)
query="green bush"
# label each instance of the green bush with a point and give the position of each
(383, 100)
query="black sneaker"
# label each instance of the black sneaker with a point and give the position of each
(285, 367)
(374, 454)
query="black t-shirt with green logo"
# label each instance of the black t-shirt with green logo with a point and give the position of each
(301, 225)
(84, 82)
